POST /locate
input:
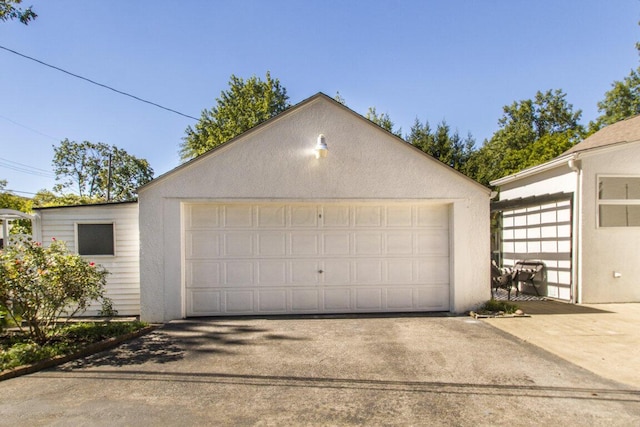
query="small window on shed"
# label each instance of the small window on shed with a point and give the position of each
(96, 239)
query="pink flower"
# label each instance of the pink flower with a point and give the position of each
(53, 238)
(92, 264)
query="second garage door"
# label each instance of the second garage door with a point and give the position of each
(283, 258)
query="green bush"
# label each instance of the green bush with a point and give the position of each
(495, 306)
(40, 285)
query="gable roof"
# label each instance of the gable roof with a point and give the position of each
(624, 131)
(290, 111)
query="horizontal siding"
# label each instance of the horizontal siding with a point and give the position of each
(123, 282)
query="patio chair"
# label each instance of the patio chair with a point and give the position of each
(501, 278)
(525, 272)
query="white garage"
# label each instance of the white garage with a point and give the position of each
(317, 210)
(276, 258)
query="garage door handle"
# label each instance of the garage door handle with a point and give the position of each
(320, 271)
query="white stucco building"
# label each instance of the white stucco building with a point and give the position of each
(275, 222)
(580, 214)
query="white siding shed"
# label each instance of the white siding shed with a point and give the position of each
(121, 256)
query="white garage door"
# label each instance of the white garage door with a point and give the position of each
(277, 258)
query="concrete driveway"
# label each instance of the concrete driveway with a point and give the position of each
(321, 371)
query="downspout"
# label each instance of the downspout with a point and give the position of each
(576, 232)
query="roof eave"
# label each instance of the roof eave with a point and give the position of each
(534, 170)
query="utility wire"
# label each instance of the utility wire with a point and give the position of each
(30, 170)
(96, 83)
(28, 128)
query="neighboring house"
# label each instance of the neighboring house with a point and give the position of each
(106, 234)
(317, 210)
(580, 214)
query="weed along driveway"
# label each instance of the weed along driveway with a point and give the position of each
(409, 370)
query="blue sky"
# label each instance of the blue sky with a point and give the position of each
(457, 60)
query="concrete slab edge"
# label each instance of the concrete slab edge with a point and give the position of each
(83, 352)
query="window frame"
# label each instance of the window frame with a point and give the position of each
(97, 222)
(613, 202)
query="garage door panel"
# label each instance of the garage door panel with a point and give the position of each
(272, 244)
(305, 300)
(432, 243)
(337, 300)
(336, 216)
(239, 274)
(275, 258)
(271, 216)
(272, 301)
(435, 216)
(399, 271)
(400, 299)
(304, 244)
(202, 216)
(336, 243)
(369, 243)
(433, 298)
(203, 244)
(399, 216)
(368, 271)
(305, 272)
(336, 272)
(203, 274)
(434, 270)
(238, 244)
(238, 216)
(304, 216)
(205, 302)
(399, 243)
(369, 299)
(368, 216)
(238, 301)
(272, 272)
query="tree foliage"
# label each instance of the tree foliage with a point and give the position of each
(99, 171)
(531, 132)
(383, 120)
(9, 12)
(450, 148)
(9, 200)
(622, 101)
(39, 285)
(244, 105)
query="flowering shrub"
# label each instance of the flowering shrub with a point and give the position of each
(39, 285)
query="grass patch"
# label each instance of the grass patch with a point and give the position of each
(494, 306)
(17, 350)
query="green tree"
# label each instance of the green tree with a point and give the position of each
(46, 198)
(99, 171)
(450, 148)
(531, 132)
(383, 120)
(621, 102)
(244, 105)
(9, 200)
(9, 11)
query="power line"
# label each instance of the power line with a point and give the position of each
(96, 83)
(28, 128)
(30, 170)
(21, 192)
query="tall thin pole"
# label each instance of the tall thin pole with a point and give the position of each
(109, 179)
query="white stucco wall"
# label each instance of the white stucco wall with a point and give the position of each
(608, 249)
(276, 162)
(123, 282)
